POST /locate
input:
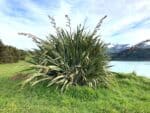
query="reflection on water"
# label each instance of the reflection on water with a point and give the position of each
(141, 68)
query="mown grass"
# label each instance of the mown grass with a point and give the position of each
(127, 94)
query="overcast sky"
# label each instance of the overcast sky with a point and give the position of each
(128, 21)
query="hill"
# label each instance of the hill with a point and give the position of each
(140, 51)
(128, 93)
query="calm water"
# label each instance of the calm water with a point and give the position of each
(142, 68)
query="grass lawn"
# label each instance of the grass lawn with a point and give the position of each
(127, 94)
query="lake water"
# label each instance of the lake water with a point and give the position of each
(142, 68)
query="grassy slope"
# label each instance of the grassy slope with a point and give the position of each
(128, 94)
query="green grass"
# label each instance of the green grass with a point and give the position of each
(127, 94)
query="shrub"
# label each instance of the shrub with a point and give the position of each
(69, 57)
(9, 54)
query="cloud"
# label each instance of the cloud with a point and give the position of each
(127, 22)
(131, 25)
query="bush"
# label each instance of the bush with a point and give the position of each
(9, 54)
(69, 57)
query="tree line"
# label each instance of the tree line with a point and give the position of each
(10, 54)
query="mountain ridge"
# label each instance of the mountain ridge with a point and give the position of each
(139, 51)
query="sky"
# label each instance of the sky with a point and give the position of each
(127, 22)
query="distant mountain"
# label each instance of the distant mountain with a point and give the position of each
(144, 44)
(116, 48)
(140, 51)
